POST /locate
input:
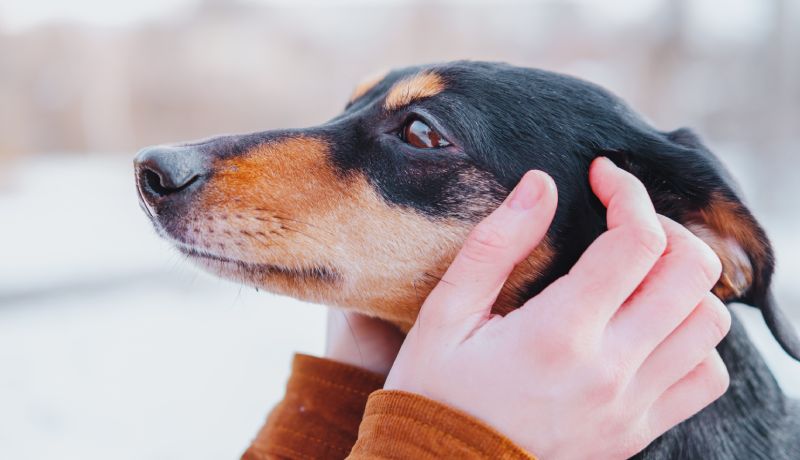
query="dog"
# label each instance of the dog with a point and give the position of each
(366, 211)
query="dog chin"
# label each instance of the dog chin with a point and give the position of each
(272, 277)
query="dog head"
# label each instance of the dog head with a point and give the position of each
(367, 210)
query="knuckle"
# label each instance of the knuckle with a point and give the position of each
(698, 260)
(632, 443)
(558, 346)
(718, 318)
(484, 243)
(566, 349)
(651, 240)
(723, 381)
(723, 322)
(591, 290)
(708, 262)
(631, 186)
(717, 380)
(608, 384)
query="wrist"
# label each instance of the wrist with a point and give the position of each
(366, 361)
(363, 342)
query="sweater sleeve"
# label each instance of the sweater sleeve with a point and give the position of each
(320, 413)
(400, 425)
(323, 416)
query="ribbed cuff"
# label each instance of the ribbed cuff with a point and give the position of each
(320, 413)
(309, 370)
(402, 425)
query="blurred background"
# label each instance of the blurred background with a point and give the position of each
(111, 346)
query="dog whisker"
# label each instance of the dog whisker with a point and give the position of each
(306, 235)
(304, 223)
(438, 279)
(274, 217)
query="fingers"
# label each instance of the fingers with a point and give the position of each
(703, 385)
(614, 265)
(685, 347)
(471, 284)
(682, 277)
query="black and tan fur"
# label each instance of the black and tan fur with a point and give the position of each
(352, 213)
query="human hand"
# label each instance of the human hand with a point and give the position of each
(361, 341)
(601, 362)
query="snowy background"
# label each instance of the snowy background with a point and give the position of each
(112, 346)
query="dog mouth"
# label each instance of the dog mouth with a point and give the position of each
(184, 238)
(319, 273)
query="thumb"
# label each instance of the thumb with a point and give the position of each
(470, 286)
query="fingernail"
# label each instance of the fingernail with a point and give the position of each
(526, 193)
(607, 161)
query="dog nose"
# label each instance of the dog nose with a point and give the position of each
(164, 171)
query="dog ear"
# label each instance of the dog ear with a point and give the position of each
(688, 184)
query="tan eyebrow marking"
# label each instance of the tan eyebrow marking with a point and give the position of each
(421, 85)
(367, 84)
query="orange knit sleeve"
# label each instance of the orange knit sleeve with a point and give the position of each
(323, 416)
(320, 413)
(400, 425)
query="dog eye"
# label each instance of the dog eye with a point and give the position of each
(420, 135)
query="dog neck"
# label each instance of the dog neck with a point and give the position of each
(754, 419)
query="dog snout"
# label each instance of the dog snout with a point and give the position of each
(167, 172)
